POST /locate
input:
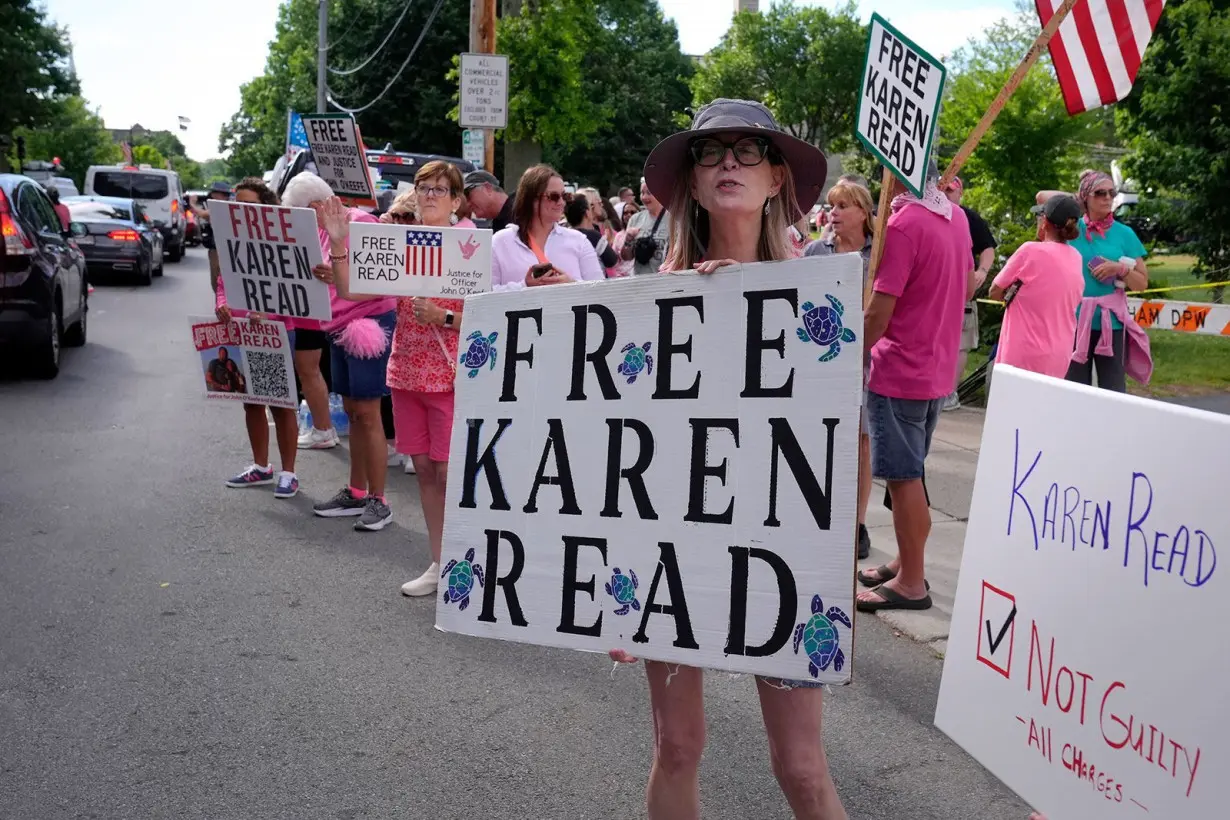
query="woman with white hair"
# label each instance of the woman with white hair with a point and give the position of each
(359, 335)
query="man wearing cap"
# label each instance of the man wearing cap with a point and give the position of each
(984, 257)
(488, 200)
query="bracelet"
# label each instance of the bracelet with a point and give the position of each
(338, 257)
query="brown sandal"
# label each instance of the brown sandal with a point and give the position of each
(882, 575)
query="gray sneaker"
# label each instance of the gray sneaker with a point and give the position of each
(952, 402)
(376, 515)
(342, 504)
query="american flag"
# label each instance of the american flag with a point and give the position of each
(127, 149)
(1098, 48)
(424, 253)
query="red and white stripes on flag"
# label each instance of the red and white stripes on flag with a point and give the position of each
(1098, 48)
(424, 253)
(127, 149)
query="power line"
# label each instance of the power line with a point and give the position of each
(354, 20)
(426, 27)
(379, 48)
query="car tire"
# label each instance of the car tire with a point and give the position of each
(159, 264)
(75, 335)
(145, 274)
(46, 359)
(177, 252)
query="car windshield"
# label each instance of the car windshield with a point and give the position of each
(97, 211)
(130, 184)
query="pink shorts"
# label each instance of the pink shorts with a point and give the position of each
(423, 423)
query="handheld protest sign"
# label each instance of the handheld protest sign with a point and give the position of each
(899, 103)
(249, 362)
(417, 260)
(1084, 665)
(664, 464)
(266, 254)
(340, 158)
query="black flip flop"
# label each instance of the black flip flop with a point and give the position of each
(883, 574)
(891, 599)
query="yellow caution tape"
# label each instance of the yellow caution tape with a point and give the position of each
(1139, 292)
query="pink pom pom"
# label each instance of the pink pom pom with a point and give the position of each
(363, 339)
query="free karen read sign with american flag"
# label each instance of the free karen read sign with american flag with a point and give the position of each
(397, 260)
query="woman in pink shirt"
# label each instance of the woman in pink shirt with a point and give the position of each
(1043, 283)
(537, 243)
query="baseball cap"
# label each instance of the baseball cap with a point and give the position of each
(476, 178)
(1060, 209)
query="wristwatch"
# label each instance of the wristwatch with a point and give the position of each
(448, 318)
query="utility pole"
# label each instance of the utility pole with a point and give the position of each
(482, 41)
(322, 55)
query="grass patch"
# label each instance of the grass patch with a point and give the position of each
(1187, 365)
(1174, 271)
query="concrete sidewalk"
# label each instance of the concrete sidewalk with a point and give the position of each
(950, 482)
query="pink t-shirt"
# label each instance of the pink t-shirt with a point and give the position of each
(1040, 324)
(344, 310)
(926, 265)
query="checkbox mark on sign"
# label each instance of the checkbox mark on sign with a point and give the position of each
(997, 613)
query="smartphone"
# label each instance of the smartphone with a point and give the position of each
(1096, 262)
(541, 270)
(1010, 293)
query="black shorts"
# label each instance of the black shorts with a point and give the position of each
(311, 340)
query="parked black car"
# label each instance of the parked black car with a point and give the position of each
(43, 293)
(118, 235)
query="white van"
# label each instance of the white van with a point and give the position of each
(158, 190)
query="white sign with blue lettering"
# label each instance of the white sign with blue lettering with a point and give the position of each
(666, 465)
(1086, 663)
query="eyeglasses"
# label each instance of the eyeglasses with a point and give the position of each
(555, 196)
(710, 151)
(1104, 193)
(432, 190)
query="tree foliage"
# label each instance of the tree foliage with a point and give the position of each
(1176, 124)
(72, 132)
(1033, 145)
(805, 64)
(34, 54)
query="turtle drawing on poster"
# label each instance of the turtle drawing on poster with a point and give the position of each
(628, 473)
(245, 361)
(899, 103)
(1084, 665)
(266, 254)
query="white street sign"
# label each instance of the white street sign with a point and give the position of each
(484, 91)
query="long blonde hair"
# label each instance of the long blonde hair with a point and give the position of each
(857, 195)
(689, 223)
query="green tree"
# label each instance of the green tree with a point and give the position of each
(148, 155)
(34, 55)
(214, 170)
(166, 142)
(75, 134)
(805, 64)
(1175, 122)
(1033, 144)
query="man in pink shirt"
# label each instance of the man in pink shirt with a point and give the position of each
(913, 332)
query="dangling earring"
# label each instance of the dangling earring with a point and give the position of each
(766, 205)
(452, 218)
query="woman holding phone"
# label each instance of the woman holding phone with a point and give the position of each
(537, 250)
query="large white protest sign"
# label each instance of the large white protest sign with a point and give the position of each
(266, 254)
(338, 151)
(664, 464)
(1085, 665)
(899, 102)
(483, 96)
(417, 260)
(244, 361)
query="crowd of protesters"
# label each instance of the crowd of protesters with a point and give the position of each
(734, 188)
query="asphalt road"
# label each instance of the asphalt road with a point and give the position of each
(172, 648)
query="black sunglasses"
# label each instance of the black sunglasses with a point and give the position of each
(555, 196)
(710, 151)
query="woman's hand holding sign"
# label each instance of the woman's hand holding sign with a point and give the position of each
(324, 272)
(712, 265)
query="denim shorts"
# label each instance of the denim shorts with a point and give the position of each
(355, 378)
(900, 435)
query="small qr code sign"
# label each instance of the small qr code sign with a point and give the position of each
(248, 362)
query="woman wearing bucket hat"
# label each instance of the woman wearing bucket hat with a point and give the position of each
(733, 184)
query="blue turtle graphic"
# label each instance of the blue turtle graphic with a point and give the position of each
(820, 639)
(481, 350)
(822, 325)
(635, 360)
(623, 589)
(461, 577)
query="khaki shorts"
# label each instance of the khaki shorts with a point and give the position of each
(969, 328)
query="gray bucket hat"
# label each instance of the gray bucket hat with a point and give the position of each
(806, 162)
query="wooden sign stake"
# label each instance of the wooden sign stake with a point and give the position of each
(877, 242)
(1010, 87)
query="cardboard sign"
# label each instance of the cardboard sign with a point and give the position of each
(667, 464)
(244, 361)
(340, 160)
(483, 99)
(1085, 666)
(415, 260)
(266, 253)
(899, 103)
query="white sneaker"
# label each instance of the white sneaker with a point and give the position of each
(952, 402)
(394, 457)
(315, 439)
(409, 468)
(425, 584)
